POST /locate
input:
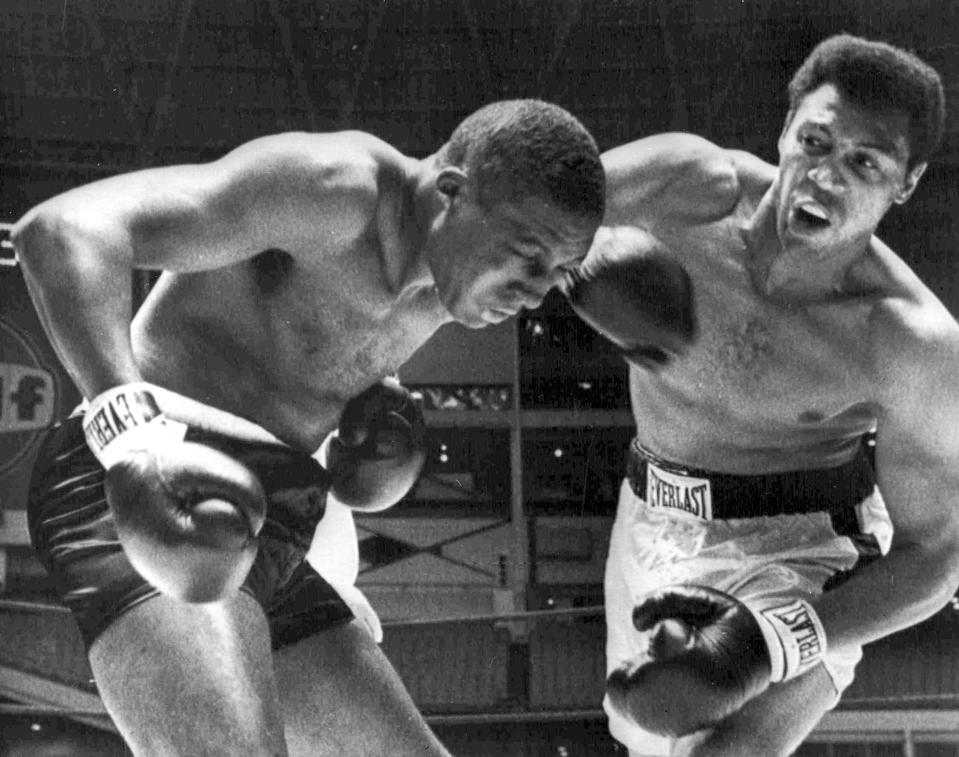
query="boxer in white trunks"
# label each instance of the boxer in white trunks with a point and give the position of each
(769, 331)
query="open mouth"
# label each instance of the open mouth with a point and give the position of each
(810, 218)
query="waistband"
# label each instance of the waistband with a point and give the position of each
(834, 490)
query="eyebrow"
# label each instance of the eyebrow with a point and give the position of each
(532, 241)
(885, 146)
(526, 235)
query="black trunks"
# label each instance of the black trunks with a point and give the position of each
(72, 530)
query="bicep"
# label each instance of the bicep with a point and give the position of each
(669, 176)
(196, 217)
(227, 211)
(192, 218)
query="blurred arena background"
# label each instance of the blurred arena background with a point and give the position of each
(508, 524)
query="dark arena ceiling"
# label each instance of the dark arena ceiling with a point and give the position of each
(93, 87)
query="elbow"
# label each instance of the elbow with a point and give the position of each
(23, 238)
(55, 246)
(35, 236)
(951, 565)
(928, 564)
(942, 555)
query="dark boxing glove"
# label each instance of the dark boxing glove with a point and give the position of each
(186, 514)
(709, 654)
(635, 295)
(378, 450)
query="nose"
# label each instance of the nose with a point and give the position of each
(531, 297)
(543, 280)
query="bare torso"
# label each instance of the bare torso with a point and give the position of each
(287, 360)
(298, 270)
(766, 385)
(285, 338)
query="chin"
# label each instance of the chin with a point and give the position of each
(471, 319)
(817, 242)
(472, 322)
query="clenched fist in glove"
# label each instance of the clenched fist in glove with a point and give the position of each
(186, 514)
(635, 295)
(378, 450)
(709, 654)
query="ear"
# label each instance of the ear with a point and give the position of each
(909, 183)
(450, 180)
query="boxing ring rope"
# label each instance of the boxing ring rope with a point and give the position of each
(46, 710)
(28, 606)
(31, 606)
(497, 617)
(902, 718)
(497, 622)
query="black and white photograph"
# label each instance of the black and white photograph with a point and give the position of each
(479, 378)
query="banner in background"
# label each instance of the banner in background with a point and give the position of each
(35, 391)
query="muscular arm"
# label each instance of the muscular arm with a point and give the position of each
(630, 287)
(670, 178)
(917, 462)
(78, 250)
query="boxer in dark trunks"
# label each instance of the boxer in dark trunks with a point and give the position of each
(298, 271)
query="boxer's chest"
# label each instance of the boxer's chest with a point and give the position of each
(284, 347)
(344, 331)
(759, 364)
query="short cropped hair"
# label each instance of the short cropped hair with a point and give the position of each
(518, 148)
(880, 78)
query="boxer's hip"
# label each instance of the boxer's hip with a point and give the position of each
(679, 519)
(73, 531)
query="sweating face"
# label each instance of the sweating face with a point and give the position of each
(841, 168)
(489, 263)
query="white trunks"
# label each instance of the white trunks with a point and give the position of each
(673, 535)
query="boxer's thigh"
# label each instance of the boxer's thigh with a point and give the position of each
(773, 724)
(183, 679)
(341, 696)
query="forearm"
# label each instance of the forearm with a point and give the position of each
(80, 284)
(905, 587)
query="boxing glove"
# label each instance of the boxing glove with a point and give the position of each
(186, 514)
(378, 450)
(635, 295)
(710, 653)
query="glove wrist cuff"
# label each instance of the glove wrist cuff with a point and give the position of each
(794, 636)
(127, 418)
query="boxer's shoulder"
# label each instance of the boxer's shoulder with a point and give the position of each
(350, 164)
(335, 183)
(912, 333)
(754, 175)
(671, 177)
(904, 313)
